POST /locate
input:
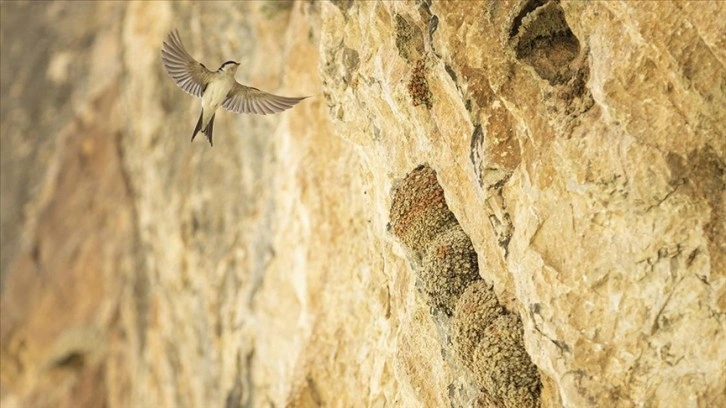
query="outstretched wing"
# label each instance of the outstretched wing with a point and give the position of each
(245, 99)
(191, 75)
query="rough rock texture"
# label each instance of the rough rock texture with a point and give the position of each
(580, 146)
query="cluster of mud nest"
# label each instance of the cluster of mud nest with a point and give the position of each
(487, 338)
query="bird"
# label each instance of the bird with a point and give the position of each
(216, 88)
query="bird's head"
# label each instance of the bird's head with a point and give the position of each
(229, 67)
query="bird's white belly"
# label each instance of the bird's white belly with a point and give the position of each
(213, 97)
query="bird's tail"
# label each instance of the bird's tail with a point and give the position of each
(199, 126)
(209, 129)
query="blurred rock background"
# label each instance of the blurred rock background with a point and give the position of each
(580, 145)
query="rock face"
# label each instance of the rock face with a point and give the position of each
(580, 146)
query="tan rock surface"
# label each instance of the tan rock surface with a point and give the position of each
(580, 145)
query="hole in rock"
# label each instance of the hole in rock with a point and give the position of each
(542, 39)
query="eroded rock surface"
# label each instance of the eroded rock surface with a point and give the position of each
(579, 145)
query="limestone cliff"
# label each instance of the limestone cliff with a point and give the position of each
(567, 246)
